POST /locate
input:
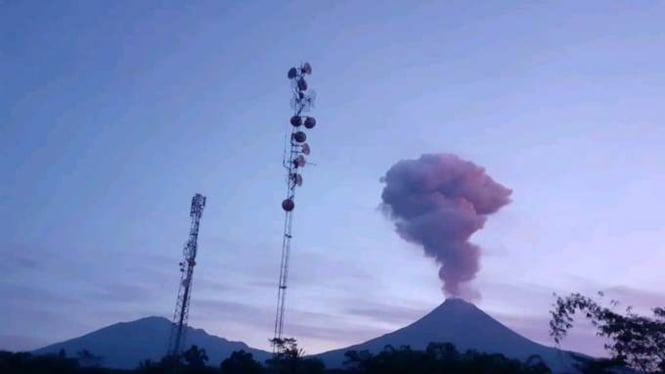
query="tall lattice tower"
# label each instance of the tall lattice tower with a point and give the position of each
(179, 327)
(295, 150)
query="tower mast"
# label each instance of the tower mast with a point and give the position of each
(179, 326)
(295, 150)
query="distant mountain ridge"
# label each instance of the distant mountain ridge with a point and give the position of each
(467, 327)
(123, 345)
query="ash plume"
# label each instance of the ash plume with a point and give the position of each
(438, 201)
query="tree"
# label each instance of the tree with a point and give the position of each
(436, 359)
(241, 362)
(311, 365)
(195, 357)
(288, 359)
(358, 362)
(171, 361)
(23, 362)
(637, 341)
(87, 359)
(597, 366)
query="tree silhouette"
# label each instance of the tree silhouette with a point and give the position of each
(241, 362)
(436, 359)
(195, 357)
(87, 359)
(636, 341)
(288, 359)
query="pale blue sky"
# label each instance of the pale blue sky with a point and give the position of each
(114, 113)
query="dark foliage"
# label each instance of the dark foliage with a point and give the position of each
(288, 359)
(635, 341)
(241, 362)
(438, 358)
(598, 366)
(26, 363)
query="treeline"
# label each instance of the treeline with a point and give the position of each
(437, 358)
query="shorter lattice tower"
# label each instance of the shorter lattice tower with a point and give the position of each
(179, 327)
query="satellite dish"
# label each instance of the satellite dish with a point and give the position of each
(296, 121)
(302, 84)
(306, 68)
(299, 161)
(310, 122)
(288, 205)
(298, 179)
(299, 137)
(293, 73)
(305, 148)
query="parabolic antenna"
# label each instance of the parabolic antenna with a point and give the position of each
(292, 73)
(299, 161)
(300, 137)
(305, 148)
(310, 122)
(306, 68)
(296, 121)
(302, 84)
(288, 205)
(298, 179)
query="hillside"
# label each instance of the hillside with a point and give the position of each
(123, 345)
(467, 327)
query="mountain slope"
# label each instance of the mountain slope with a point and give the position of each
(123, 345)
(467, 327)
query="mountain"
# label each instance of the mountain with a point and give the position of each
(123, 345)
(467, 327)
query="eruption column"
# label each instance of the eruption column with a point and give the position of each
(438, 201)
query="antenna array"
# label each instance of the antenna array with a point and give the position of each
(179, 327)
(295, 150)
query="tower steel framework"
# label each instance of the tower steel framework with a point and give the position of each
(181, 314)
(295, 150)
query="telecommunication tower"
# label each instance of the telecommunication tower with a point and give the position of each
(179, 326)
(295, 150)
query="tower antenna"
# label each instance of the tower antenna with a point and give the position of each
(295, 150)
(179, 326)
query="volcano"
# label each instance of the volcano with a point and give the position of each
(467, 327)
(123, 345)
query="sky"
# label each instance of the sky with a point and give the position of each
(114, 113)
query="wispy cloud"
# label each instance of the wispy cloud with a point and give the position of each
(642, 300)
(386, 313)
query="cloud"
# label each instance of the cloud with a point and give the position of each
(243, 312)
(335, 335)
(18, 258)
(384, 313)
(29, 294)
(121, 293)
(642, 300)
